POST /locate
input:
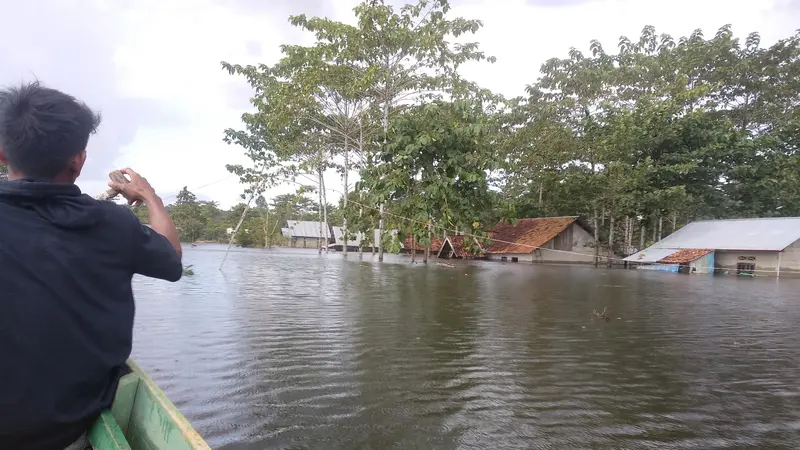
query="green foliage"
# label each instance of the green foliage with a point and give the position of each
(328, 105)
(693, 129)
(662, 130)
(434, 166)
(204, 221)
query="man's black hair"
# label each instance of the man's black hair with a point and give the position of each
(42, 128)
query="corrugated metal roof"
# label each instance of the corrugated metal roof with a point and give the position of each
(685, 255)
(737, 234)
(285, 232)
(774, 234)
(526, 235)
(302, 228)
(338, 235)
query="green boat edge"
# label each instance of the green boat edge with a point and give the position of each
(143, 418)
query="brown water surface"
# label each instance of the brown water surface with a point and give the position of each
(290, 349)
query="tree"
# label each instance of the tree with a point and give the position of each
(187, 215)
(434, 169)
(662, 131)
(320, 100)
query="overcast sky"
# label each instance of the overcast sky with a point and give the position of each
(152, 66)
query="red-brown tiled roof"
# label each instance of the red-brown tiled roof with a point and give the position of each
(457, 243)
(526, 235)
(685, 255)
(436, 244)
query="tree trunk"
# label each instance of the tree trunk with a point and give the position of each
(655, 232)
(239, 225)
(413, 247)
(674, 221)
(641, 237)
(326, 235)
(627, 243)
(660, 225)
(385, 121)
(541, 192)
(266, 229)
(596, 237)
(627, 235)
(345, 233)
(380, 234)
(610, 261)
(428, 247)
(319, 242)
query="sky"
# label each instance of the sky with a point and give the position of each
(152, 67)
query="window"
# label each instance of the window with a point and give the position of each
(514, 259)
(745, 268)
(503, 259)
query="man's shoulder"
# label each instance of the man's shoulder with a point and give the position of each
(117, 212)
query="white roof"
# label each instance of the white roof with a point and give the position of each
(302, 228)
(774, 234)
(651, 254)
(338, 235)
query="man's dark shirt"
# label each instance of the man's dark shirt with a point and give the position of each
(66, 307)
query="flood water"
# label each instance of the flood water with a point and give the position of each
(290, 349)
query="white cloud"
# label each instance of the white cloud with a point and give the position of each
(171, 51)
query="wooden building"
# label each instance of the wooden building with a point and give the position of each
(455, 247)
(764, 247)
(543, 240)
(306, 234)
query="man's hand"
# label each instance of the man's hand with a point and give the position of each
(137, 191)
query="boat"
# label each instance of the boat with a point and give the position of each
(143, 418)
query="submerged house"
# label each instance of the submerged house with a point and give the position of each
(306, 234)
(543, 240)
(410, 244)
(740, 246)
(460, 247)
(338, 240)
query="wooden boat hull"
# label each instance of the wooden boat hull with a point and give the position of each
(143, 418)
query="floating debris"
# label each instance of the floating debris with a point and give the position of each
(601, 315)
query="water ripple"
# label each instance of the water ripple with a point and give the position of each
(290, 349)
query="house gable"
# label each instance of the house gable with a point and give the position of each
(527, 235)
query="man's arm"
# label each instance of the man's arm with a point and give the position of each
(157, 249)
(161, 222)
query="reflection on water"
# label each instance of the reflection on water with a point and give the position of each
(291, 349)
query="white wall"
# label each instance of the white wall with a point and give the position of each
(765, 261)
(582, 249)
(790, 259)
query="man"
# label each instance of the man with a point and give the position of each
(66, 263)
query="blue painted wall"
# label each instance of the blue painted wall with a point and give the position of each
(705, 264)
(659, 267)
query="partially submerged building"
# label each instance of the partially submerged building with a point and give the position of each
(410, 245)
(460, 247)
(738, 246)
(543, 240)
(338, 240)
(306, 234)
